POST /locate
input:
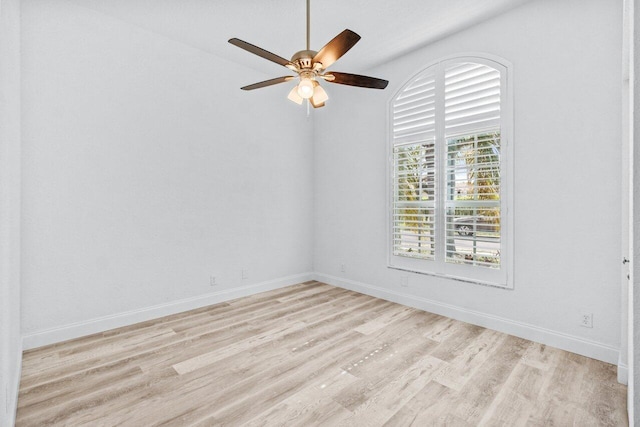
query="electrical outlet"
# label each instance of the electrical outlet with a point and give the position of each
(245, 273)
(586, 320)
(212, 281)
(342, 268)
(404, 281)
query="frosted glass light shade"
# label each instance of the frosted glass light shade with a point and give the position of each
(319, 95)
(293, 96)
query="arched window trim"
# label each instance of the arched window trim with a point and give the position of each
(506, 277)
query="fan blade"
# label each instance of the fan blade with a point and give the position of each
(268, 83)
(356, 80)
(337, 47)
(260, 52)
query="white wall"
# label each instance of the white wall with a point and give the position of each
(566, 60)
(10, 338)
(146, 170)
(627, 198)
(633, 44)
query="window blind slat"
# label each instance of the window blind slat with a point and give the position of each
(422, 111)
(420, 99)
(421, 117)
(413, 137)
(452, 85)
(468, 124)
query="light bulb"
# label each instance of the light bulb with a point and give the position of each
(293, 96)
(305, 88)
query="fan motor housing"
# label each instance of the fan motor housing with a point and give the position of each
(304, 58)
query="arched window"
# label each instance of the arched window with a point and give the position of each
(451, 172)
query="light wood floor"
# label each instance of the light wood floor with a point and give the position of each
(312, 354)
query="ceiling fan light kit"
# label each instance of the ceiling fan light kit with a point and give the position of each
(311, 66)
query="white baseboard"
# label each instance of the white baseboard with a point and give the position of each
(623, 373)
(8, 412)
(574, 344)
(105, 323)
(13, 407)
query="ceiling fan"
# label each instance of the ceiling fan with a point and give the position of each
(311, 66)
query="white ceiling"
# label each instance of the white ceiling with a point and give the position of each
(388, 28)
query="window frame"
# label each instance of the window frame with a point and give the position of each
(504, 277)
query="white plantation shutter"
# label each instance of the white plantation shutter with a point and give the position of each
(414, 206)
(448, 214)
(472, 134)
(414, 111)
(472, 98)
(414, 170)
(473, 200)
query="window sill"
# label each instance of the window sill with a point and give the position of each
(456, 278)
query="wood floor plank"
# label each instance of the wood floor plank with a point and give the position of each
(396, 358)
(312, 354)
(313, 405)
(602, 392)
(292, 372)
(481, 390)
(239, 401)
(513, 403)
(384, 403)
(561, 393)
(456, 341)
(238, 370)
(469, 360)
(429, 407)
(239, 346)
(215, 332)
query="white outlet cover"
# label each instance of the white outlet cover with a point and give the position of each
(586, 320)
